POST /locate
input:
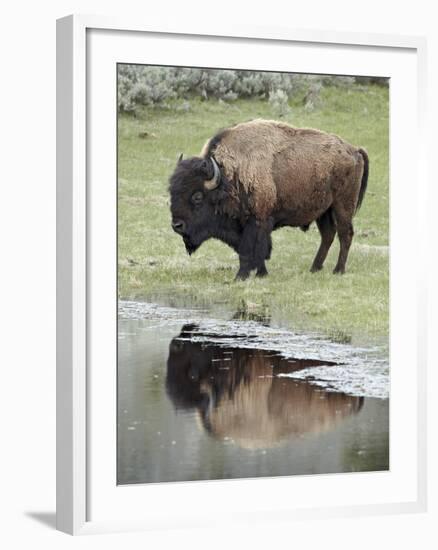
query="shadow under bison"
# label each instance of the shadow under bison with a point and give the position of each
(238, 395)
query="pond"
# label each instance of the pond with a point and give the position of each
(206, 398)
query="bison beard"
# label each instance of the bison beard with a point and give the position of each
(190, 247)
(257, 177)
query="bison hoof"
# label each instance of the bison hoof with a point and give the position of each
(262, 272)
(315, 268)
(339, 270)
(242, 276)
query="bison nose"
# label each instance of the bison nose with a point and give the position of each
(179, 226)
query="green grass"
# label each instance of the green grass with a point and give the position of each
(153, 263)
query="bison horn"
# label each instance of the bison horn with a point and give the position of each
(214, 182)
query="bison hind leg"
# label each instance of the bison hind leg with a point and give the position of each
(327, 230)
(345, 234)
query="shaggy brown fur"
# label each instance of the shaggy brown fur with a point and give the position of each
(261, 175)
(285, 168)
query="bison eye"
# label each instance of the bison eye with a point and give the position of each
(197, 198)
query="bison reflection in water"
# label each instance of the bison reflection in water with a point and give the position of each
(238, 395)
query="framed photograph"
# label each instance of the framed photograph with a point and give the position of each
(241, 295)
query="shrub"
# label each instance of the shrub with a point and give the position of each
(312, 98)
(154, 86)
(279, 102)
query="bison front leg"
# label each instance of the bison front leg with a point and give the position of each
(245, 267)
(265, 249)
(254, 248)
(261, 270)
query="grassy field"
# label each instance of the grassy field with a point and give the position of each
(153, 263)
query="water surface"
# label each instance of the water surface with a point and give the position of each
(211, 399)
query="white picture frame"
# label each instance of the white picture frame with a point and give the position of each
(80, 425)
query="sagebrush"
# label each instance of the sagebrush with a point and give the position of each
(140, 85)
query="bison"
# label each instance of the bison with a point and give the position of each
(258, 176)
(238, 394)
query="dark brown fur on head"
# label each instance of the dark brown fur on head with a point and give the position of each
(198, 212)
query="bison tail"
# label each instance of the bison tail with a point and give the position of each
(364, 182)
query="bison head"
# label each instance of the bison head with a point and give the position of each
(194, 196)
